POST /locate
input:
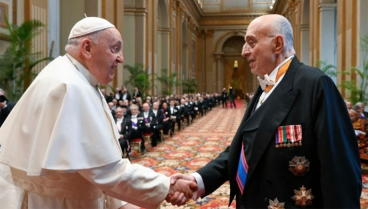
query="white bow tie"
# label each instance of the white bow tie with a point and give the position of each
(265, 81)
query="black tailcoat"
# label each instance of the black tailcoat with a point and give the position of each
(306, 97)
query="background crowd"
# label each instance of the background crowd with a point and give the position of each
(139, 118)
(359, 118)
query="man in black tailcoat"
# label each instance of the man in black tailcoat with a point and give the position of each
(295, 146)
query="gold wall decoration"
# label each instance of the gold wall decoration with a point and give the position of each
(4, 11)
(205, 22)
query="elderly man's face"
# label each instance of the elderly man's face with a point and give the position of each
(134, 110)
(120, 112)
(145, 107)
(353, 116)
(349, 105)
(258, 47)
(111, 105)
(106, 56)
(155, 106)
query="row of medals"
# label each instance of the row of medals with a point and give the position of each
(289, 144)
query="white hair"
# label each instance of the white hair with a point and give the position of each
(73, 43)
(283, 27)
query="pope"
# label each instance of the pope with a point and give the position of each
(60, 145)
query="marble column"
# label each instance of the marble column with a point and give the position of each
(304, 50)
(327, 12)
(219, 80)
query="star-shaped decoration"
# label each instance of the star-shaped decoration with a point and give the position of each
(299, 166)
(303, 197)
(275, 204)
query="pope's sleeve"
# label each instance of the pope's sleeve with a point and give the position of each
(132, 183)
(337, 147)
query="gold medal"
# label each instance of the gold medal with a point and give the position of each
(299, 166)
(275, 204)
(303, 197)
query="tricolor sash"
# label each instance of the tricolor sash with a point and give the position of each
(134, 125)
(242, 173)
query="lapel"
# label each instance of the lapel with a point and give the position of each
(123, 124)
(271, 114)
(236, 145)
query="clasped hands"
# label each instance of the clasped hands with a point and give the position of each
(181, 189)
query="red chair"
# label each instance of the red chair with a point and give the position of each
(147, 137)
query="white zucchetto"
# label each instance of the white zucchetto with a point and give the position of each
(89, 25)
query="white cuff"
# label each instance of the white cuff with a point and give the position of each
(201, 190)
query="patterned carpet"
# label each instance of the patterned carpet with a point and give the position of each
(364, 196)
(193, 147)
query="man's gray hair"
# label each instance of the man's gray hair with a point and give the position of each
(360, 103)
(283, 27)
(73, 43)
(134, 106)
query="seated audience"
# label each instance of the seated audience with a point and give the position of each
(166, 118)
(122, 123)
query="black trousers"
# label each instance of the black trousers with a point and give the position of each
(172, 126)
(224, 103)
(155, 137)
(232, 102)
(166, 127)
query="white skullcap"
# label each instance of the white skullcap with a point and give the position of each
(89, 25)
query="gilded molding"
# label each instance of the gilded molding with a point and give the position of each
(173, 4)
(225, 22)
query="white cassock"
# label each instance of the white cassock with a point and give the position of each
(60, 149)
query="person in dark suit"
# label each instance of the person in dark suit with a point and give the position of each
(166, 118)
(135, 126)
(5, 107)
(179, 114)
(113, 111)
(174, 113)
(295, 146)
(107, 97)
(125, 95)
(205, 103)
(224, 98)
(231, 97)
(189, 110)
(136, 93)
(147, 116)
(123, 128)
(156, 124)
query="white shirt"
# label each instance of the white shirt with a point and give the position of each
(145, 114)
(117, 96)
(272, 76)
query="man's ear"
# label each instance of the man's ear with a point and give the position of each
(279, 44)
(87, 48)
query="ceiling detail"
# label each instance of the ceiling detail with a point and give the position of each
(235, 7)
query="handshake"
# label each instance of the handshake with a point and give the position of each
(181, 189)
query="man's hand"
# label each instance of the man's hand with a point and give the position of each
(181, 190)
(177, 176)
